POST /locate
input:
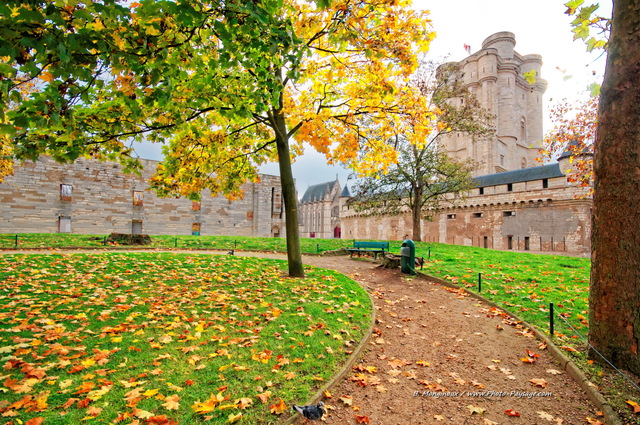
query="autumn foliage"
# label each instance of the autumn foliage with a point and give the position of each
(163, 339)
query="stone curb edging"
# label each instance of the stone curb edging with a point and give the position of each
(611, 418)
(357, 354)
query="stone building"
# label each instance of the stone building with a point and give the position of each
(319, 211)
(515, 205)
(93, 197)
(532, 209)
(495, 75)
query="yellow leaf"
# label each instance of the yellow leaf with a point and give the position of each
(234, 418)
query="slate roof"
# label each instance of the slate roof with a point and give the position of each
(345, 192)
(517, 176)
(317, 192)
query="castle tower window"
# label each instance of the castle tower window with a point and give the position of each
(451, 216)
(138, 198)
(481, 190)
(523, 129)
(477, 215)
(509, 213)
(502, 160)
(509, 241)
(510, 187)
(66, 192)
(545, 183)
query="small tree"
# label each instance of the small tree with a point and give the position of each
(425, 176)
(573, 135)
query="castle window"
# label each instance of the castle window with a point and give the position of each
(481, 190)
(477, 215)
(545, 183)
(502, 160)
(66, 192)
(510, 187)
(138, 198)
(523, 163)
(523, 129)
(509, 213)
(451, 216)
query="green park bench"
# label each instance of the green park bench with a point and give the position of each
(368, 247)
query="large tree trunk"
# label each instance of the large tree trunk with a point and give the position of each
(614, 299)
(294, 255)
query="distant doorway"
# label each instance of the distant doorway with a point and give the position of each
(136, 227)
(64, 224)
(337, 233)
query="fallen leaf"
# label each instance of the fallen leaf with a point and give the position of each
(636, 407)
(362, 419)
(476, 409)
(539, 382)
(511, 412)
(234, 418)
(554, 371)
(171, 402)
(488, 422)
(278, 408)
(346, 399)
(545, 415)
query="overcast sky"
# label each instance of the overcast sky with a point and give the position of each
(540, 27)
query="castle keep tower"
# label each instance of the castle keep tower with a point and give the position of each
(495, 74)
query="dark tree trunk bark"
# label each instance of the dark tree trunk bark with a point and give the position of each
(294, 254)
(416, 213)
(614, 298)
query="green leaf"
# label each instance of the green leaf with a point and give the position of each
(530, 76)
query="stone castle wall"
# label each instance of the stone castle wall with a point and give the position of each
(101, 201)
(528, 218)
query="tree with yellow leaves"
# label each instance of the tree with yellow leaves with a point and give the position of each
(227, 86)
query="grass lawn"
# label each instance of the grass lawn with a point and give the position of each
(520, 282)
(162, 337)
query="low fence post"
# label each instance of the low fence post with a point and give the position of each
(479, 282)
(551, 314)
(16, 241)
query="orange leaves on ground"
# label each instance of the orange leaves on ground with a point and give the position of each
(278, 408)
(209, 405)
(244, 402)
(634, 405)
(347, 400)
(264, 397)
(531, 357)
(35, 421)
(362, 419)
(538, 383)
(171, 402)
(511, 412)
(94, 411)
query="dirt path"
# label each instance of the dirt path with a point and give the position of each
(438, 356)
